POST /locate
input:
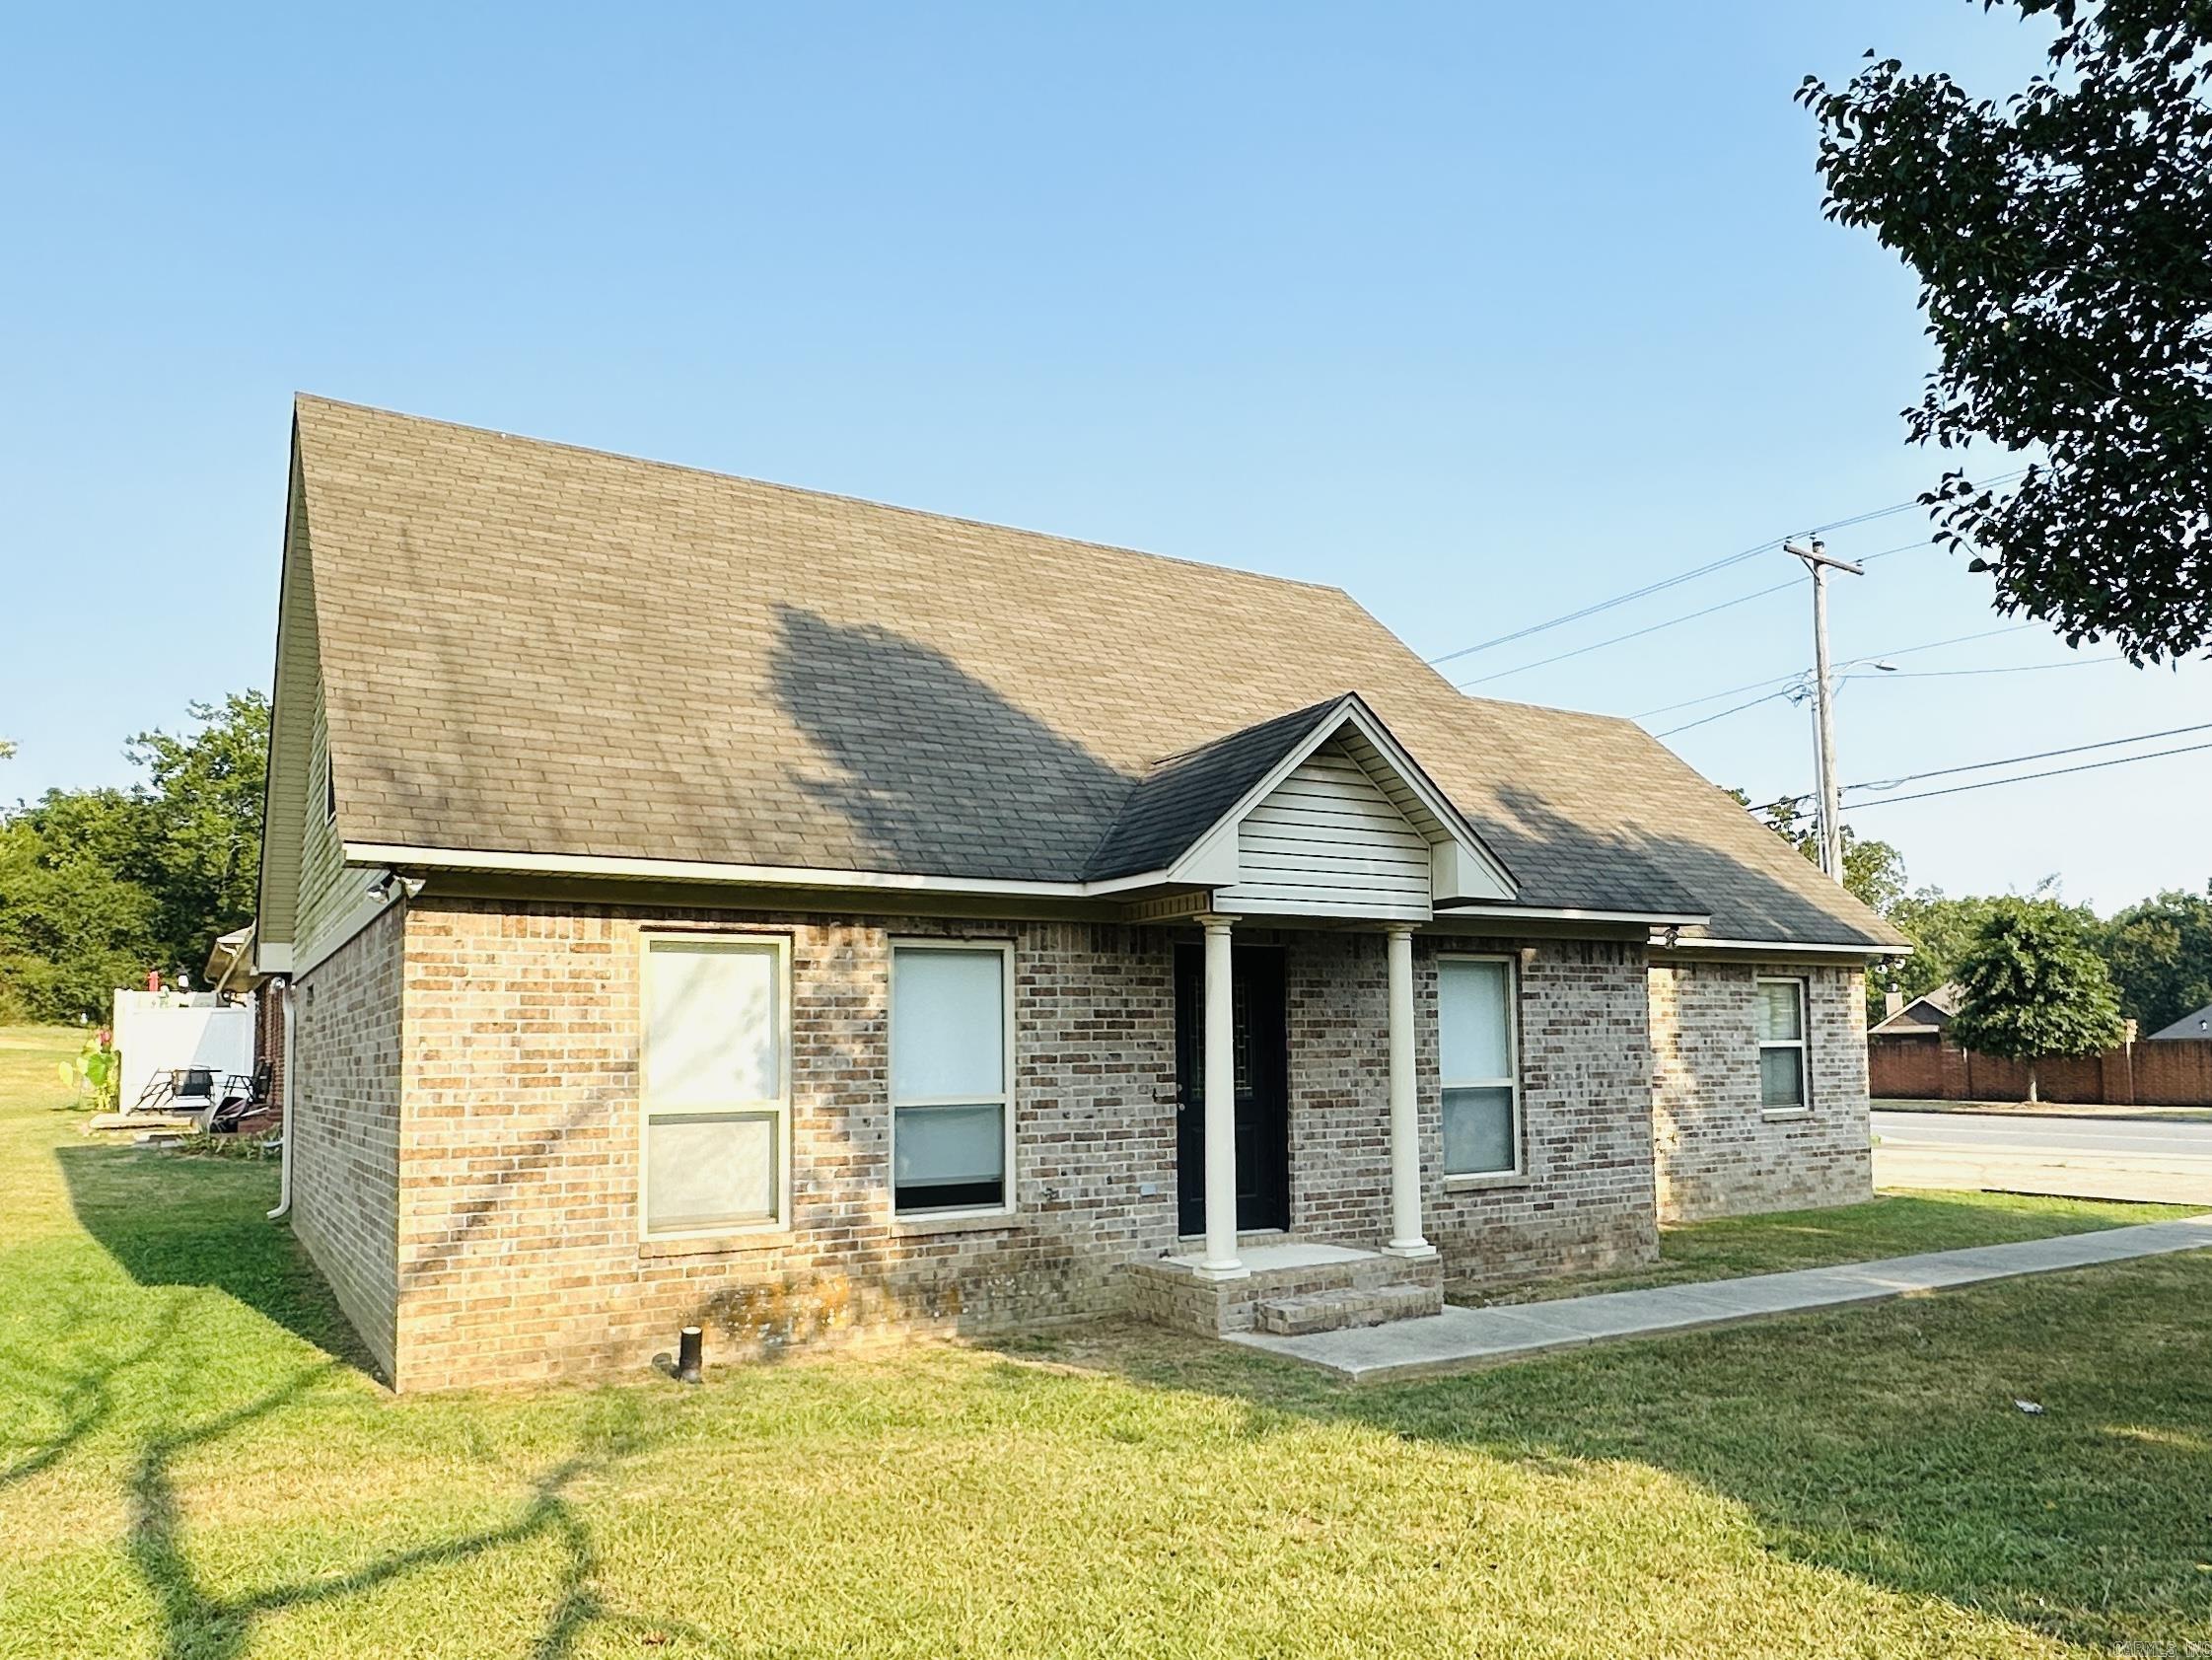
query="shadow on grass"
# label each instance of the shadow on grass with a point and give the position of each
(82, 1396)
(197, 1623)
(1882, 1443)
(169, 1220)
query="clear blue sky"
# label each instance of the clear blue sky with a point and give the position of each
(1483, 313)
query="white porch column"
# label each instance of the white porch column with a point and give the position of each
(1221, 1261)
(1406, 1107)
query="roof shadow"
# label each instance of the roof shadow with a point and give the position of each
(172, 1219)
(934, 770)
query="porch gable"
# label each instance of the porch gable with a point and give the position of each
(1344, 825)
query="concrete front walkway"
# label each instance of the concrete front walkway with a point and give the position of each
(1461, 1338)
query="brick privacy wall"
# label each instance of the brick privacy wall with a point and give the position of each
(2169, 1072)
(1718, 1153)
(1913, 1066)
(519, 1248)
(344, 1126)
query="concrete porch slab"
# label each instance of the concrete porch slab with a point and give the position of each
(1464, 1338)
(1290, 1254)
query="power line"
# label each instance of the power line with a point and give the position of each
(1777, 680)
(2040, 754)
(1636, 634)
(1672, 622)
(2025, 777)
(1608, 605)
(1691, 575)
(1707, 720)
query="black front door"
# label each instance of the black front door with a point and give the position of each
(1262, 1044)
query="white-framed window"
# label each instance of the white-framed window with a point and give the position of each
(1782, 1072)
(715, 1085)
(951, 1072)
(1479, 1059)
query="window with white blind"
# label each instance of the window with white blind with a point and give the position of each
(715, 1085)
(1781, 1045)
(1478, 1060)
(952, 1064)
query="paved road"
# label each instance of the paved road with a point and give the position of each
(2085, 1158)
(2007, 1133)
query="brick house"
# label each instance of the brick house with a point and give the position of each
(707, 902)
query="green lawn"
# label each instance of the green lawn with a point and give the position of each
(1899, 1224)
(192, 1466)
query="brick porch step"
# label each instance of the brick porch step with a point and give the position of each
(1343, 1309)
(1319, 1285)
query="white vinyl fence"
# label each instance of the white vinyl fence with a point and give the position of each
(158, 1031)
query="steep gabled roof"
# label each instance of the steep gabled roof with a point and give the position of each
(532, 649)
(1931, 1011)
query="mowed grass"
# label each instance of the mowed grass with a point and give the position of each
(1898, 1224)
(193, 1466)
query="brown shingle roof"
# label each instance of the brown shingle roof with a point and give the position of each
(533, 648)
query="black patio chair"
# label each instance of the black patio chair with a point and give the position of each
(243, 1093)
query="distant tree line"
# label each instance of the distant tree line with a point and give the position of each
(2156, 954)
(99, 886)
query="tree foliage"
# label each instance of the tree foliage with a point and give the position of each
(2033, 986)
(2063, 241)
(2159, 952)
(97, 886)
(1942, 926)
(1872, 871)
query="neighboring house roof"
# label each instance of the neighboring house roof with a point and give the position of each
(2197, 1025)
(1931, 1011)
(530, 649)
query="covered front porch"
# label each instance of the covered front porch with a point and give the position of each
(1235, 1036)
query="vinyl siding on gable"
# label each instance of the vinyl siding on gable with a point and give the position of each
(327, 901)
(1329, 842)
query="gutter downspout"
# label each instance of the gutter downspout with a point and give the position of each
(284, 1123)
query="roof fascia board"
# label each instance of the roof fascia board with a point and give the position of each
(366, 910)
(1570, 913)
(1784, 948)
(733, 874)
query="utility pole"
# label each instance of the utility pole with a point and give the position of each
(1817, 561)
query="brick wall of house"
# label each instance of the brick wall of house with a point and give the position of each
(1718, 1153)
(519, 1242)
(344, 1127)
(516, 1228)
(1584, 1200)
(1584, 1197)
